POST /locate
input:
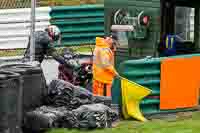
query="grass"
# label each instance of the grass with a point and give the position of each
(20, 52)
(6, 53)
(84, 49)
(179, 125)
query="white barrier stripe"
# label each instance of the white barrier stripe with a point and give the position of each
(15, 26)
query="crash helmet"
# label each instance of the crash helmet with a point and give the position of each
(54, 32)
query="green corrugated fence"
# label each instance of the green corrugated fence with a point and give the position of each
(145, 72)
(79, 24)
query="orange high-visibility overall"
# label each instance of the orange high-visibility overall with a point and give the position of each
(103, 68)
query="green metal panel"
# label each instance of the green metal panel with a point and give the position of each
(110, 7)
(152, 8)
(144, 47)
(144, 3)
(79, 25)
(115, 3)
(121, 55)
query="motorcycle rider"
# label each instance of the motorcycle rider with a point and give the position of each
(103, 65)
(44, 44)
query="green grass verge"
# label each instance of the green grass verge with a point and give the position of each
(20, 52)
(180, 125)
(6, 53)
(84, 49)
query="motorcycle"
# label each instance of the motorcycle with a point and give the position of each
(77, 69)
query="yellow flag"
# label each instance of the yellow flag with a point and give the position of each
(132, 94)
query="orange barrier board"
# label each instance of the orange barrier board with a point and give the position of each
(180, 83)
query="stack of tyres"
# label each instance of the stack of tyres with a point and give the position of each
(11, 102)
(34, 87)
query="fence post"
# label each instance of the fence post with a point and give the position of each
(32, 48)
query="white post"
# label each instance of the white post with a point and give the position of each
(32, 47)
